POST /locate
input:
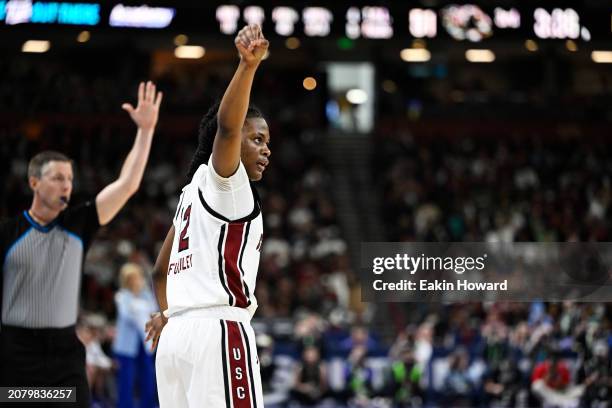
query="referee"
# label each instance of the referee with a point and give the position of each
(42, 252)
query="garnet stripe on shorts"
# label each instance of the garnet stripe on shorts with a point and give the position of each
(224, 363)
(249, 364)
(240, 392)
(230, 255)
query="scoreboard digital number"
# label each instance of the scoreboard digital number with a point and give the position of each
(558, 23)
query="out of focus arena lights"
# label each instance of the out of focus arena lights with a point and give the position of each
(83, 36)
(309, 83)
(36, 46)
(415, 55)
(531, 45)
(356, 96)
(602, 57)
(189, 51)
(480, 55)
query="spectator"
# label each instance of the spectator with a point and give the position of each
(358, 377)
(405, 380)
(360, 337)
(310, 384)
(551, 382)
(503, 384)
(458, 386)
(597, 374)
(98, 365)
(134, 357)
(267, 366)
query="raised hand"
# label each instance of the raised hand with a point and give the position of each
(146, 112)
(251, 44)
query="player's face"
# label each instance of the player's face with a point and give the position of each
(254, 151)
(54, 187)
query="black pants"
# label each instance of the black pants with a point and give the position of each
(43, 358)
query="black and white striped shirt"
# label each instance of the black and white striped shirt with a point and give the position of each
(42, 267)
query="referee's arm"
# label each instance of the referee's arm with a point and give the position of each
(114, 196)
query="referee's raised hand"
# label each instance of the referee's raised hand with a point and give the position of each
(147, 110)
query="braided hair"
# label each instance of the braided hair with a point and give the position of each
(206, 136)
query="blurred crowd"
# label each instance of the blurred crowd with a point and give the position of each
(540, 186)
(531, 87)
(458, 184)
(468, 355)
(318, 343)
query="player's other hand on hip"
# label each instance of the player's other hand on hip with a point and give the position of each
(251, 44)
(146, 111)
(154, 327)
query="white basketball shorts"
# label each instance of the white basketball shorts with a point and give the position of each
(208, 358)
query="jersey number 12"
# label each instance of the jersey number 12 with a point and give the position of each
(183, 238)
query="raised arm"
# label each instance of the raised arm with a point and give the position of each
(252, 47)
(114, 196)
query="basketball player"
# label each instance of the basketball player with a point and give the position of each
(207, 355)
(43, 250)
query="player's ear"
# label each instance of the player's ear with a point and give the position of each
(33, 182)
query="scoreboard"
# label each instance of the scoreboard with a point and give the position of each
(469, 22)
(459, 21)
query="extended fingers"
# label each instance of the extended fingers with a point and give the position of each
(128, 108)
(153, 332)
(151, 92)
(147, 93)
(158, 99)
(154, 344)
(141, 92)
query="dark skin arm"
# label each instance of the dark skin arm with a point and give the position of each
(160, 270)
(154, 327)
(252, 47)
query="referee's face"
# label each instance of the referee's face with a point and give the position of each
(55, 185)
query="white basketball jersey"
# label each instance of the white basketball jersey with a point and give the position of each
(214, 260)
